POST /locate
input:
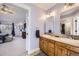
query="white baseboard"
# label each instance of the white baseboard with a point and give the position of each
(34, 52)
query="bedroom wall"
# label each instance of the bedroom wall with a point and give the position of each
(18, 17)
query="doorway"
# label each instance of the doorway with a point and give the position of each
(62, 28)
(17, 47)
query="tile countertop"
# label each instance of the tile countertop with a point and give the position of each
(63, 40)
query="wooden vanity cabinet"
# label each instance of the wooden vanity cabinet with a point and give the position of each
(54, 48)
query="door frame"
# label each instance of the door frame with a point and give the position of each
(26, 7)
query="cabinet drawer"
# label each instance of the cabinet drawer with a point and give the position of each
(61, 44)
(51, 41)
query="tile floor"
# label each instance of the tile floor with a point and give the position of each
(13, 48)
(41, 54)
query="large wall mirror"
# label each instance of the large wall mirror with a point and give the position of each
(66, 25)
(48, 25)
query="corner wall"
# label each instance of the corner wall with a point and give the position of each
(35, 22)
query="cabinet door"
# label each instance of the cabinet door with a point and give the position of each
(64, 52)
(60, 51)
(41, 43)
(45, 45)
(51, 48)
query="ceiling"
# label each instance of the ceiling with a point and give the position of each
(45, 6)
(17, 17)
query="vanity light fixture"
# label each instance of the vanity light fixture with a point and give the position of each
(68, 5)
(48, 15)
(45, 16)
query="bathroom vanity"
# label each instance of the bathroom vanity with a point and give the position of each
(58, 46)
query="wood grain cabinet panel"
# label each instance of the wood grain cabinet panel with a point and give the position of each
(60, 51)
(72, 53)
(51, 49)
(76, 49)
(43, 44)
(64, 52)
